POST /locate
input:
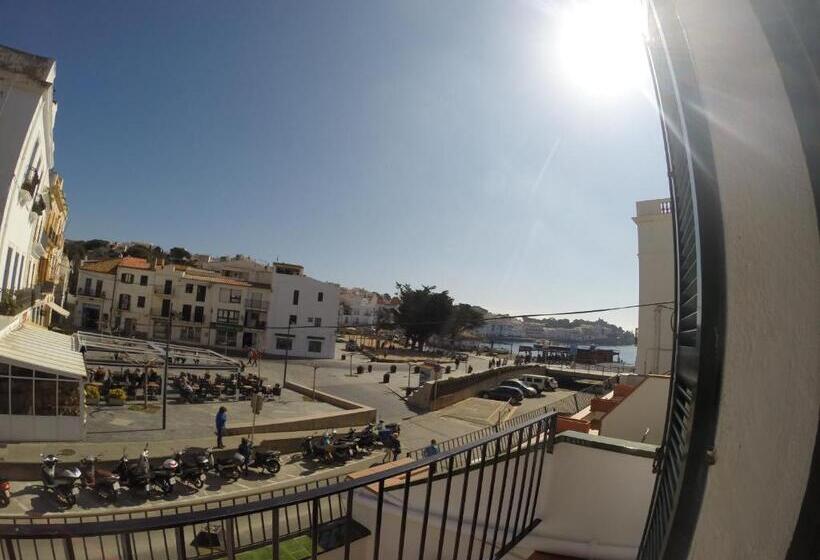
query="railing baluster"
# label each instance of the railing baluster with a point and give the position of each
(125, 547)
(348, 523)
(274, 532)
(536, 447)
(68, 549)
(450, 462)
(179, 539)
(489, 500)
(512, 491)
(378, 532)
(404, 514)
(431, 470)
(227, 532)
(503, 488)
(477, 500)
(314, 530)
(463, 501)
(523, 479)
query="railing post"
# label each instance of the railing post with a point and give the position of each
(179, 539)
(9, 545)
(68, 548)
(553, 426)
(125, 545)
(227, 534)
(275, 533)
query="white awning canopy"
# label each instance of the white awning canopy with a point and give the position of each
(57, 309)
(37, 348)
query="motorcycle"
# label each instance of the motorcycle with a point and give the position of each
(263, 460)
(5, 492)
(163, 477)
(134, 477)
(61, 483)
(227, 468)
(189, 467)
(105, 483)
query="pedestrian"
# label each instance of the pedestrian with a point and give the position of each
(457, 362)
(221, 421)
(395, 445)
(431, 451)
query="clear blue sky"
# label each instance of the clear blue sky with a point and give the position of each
(425, 142)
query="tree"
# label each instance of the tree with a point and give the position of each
(179, 255)
(464, 317)
(139, 251)
(422, 313)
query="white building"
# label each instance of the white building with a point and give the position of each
(27, 112)
(656, 253)
(303, 314)
(360, 307)
(501, 327)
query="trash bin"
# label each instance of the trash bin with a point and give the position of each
(369, 368)
(386, 378)
(276, 390)
(359, 369)
(447, 369)
(407, 391)
(344, 356)
(392, 369)
(417, 369)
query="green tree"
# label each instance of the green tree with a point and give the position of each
(139, 251)
(422, 313)
(464, 317)
(178, 255)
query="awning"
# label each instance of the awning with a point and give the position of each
(35, 347)
(57, 309)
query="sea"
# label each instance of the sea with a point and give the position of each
(627, 353)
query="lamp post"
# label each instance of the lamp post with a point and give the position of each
(165, 373)
(287, 351)
(315, 367)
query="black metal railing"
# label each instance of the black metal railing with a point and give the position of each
(495, 491)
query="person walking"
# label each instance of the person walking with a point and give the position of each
(431, 451)
(221, 421)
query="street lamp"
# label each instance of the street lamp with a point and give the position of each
(287, 351)
(167, 359)
(315, 367)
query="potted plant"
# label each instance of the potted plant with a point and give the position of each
(92, 395)
(116, 397)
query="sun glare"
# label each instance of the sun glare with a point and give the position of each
(601, 46)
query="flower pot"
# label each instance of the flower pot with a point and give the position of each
(92, 401)
(116, 402)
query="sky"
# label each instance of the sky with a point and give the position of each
(491, 148)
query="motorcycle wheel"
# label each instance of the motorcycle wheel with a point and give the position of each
(272, 467)
(4, 501)
(167, 488)
(71, 500)
(198, 483)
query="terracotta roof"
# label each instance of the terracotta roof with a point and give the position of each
(204, 276)
(135, 262)
(109, 266)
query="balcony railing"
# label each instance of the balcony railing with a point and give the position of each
(481, 509)
(256, 304)
(255, 324)
(31, 181)
(91, 293)
(162, 291)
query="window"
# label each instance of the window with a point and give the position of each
(168, 287)
(292, 320)
(140, 301)
(295, 297)
(199, 314)
(314, 345)
(161, 330)
(68, 397)
(320, 297)
(98, 290)
(191, 334)
(143, 280)
(186, 312)
(5, 284)
(4, 393)
(125, 302)
(317, 322)
(166, 308)
(284, 343)
(45, 396)
(225, 337)
(230, 295)
(310, 320)
(189, 288)
(22, 396)
(200, 293)
(230, 316)
(126, 278)
(87, 286)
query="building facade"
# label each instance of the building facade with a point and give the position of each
(656, 279)
(360, 307)
(34, 209)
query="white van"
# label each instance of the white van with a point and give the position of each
(540, 382)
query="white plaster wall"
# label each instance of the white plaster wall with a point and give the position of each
(281, 307)
(770, 394)
(656, 283)
(644, 408)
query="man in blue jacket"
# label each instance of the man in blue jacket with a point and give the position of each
(221, 420)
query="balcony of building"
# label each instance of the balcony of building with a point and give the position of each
(91, 293)
(30, 183)
(257, 304)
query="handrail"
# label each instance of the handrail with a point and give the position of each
(79, 530)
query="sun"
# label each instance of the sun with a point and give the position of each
(601, 46)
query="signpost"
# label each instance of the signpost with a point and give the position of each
(256, 407)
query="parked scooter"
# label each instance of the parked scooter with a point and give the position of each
(5, 492)
(227, 468)
(134, 477)
(259, 459)
(164, 477)
(62, 483)
(105, 483)
(191, 468)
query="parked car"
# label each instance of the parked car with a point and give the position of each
(528, 390)
(541, 382)
(504, 393)
(351, 346)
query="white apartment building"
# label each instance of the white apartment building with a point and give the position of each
(656, 253)
(358, 306)
(27, 113)
(500, 327)
(303, 314)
